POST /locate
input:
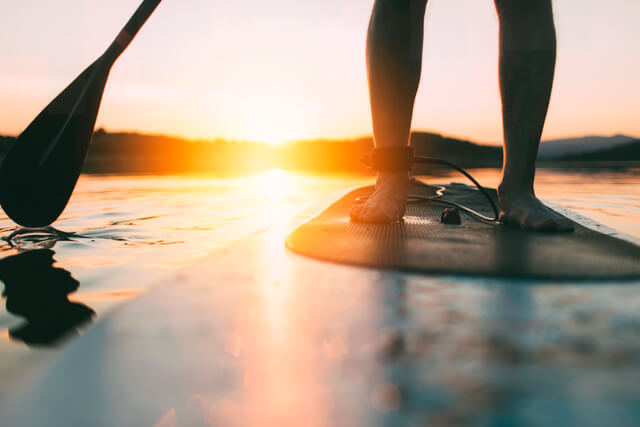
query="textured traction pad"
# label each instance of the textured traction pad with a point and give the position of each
(422, 243)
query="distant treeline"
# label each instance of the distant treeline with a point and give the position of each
(623, 152)
(140, 153)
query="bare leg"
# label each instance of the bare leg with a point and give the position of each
(394, 59)
(527, 63)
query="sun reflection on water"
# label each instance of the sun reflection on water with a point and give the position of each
(276, 184)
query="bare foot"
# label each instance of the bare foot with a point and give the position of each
(524, 209)
(387, 203)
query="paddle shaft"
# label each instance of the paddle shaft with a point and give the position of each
(132, 27)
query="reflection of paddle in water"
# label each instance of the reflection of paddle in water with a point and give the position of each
(38, 291)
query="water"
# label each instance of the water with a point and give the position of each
(120, 234)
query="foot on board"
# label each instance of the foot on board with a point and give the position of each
(388, 201)
(526, 211)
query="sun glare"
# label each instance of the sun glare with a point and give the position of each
(270, 131)
(275, 140)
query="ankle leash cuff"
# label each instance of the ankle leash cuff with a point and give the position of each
(397, 159)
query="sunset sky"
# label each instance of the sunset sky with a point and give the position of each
(290, 69)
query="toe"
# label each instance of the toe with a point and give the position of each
(565, 225)
(545, 224)
(503, 218)
(360, 213)
(374, 214)
(355, 211)
(508, 219)
(553, 223)
(366, 213)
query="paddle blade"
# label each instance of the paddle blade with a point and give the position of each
(40, 171)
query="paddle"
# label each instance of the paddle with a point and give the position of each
(42, 168)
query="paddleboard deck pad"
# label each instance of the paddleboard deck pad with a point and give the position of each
(422, 243)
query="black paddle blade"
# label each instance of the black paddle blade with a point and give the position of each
(42, 168)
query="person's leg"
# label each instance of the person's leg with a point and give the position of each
(394, 59)
(527, 63)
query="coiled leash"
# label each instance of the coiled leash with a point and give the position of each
(401, 159)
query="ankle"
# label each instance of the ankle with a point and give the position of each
(517, 179)
(396, 182)
(392, 178)
(511, 191)
(396, 176)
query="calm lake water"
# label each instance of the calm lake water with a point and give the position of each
(120, 234)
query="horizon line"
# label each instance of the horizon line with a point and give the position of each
(322, 138)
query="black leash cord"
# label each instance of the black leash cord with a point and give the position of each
(440, 191)
(433, 160)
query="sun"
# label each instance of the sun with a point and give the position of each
(275, 139)
(269, 131)
(272, 120)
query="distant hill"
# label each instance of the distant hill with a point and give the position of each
(140, 153)
(159, 154)
(556, 148)
(464, 153)
(624, 152)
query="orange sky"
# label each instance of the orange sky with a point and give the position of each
(289, 69)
